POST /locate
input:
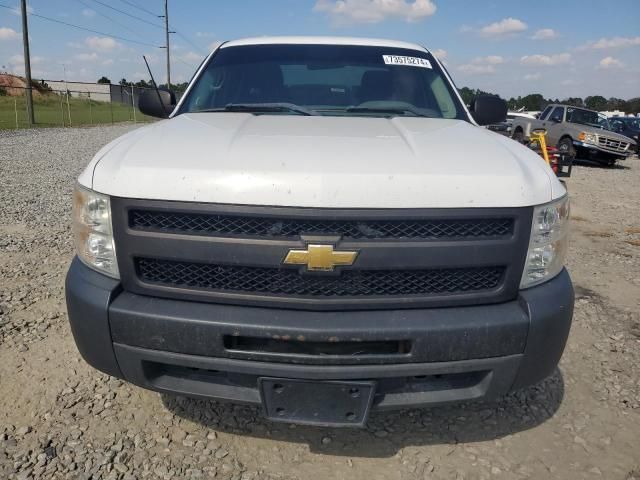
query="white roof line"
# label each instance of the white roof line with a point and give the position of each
(324, 40)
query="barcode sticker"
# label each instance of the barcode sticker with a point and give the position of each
(406, 61)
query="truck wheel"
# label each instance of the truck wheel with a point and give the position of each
(565, 147)
(518, 136)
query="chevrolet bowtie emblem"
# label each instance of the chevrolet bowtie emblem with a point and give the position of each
(320, 258)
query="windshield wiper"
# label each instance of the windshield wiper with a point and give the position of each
(262, 108)
(389, 110)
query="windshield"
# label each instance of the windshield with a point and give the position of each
(603, 122)
(324, 80)
(632, 123)
(583, 117)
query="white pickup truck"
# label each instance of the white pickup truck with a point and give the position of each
(321, 227)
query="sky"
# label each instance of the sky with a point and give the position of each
(561, 48)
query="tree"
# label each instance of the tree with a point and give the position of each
(616, 104)
(574, 101)
(533, 101)
(41, 86)
(124, 82)
(632, 105)
(104, 79)
(181, 87)
(468, 94)
(596, 102)
(175, 87)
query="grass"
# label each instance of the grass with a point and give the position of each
(52, 111)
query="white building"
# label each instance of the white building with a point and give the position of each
(98, 91)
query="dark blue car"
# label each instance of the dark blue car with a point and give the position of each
(627, 126)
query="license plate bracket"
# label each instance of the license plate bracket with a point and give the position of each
(323, 403)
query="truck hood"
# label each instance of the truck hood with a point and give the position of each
(605, 133)
(315, 161)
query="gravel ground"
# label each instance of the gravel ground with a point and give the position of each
(61, 419)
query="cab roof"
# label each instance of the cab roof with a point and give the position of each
(309, 40)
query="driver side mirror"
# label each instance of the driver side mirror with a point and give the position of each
(157, 103)
(488, 109)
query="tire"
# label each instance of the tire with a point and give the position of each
(518, 135)
(565, 147)
(605, 163)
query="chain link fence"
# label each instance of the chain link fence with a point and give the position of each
(69, 104)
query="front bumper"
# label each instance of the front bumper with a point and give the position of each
(595, 150)
(191, 348)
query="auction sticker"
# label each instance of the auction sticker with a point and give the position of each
(406, 61)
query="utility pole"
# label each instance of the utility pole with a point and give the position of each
(27, 63)
(66, 87)
(166, 32)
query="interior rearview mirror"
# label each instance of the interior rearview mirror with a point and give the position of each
(157, 103)
(488, 109)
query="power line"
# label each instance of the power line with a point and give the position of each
(190, 65)
(82, 2)
(197, 47)
(184, 37)
(131, 4)
(127, 14)
(124, 39)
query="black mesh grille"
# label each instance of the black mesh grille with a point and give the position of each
(350, 283)
(208, 224)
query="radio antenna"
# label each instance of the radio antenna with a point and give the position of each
(155, 85)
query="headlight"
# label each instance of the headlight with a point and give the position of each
(548, 243)
(92, 231)
(588, 137)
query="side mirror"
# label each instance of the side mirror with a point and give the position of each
(487, 110)
(150, 103)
